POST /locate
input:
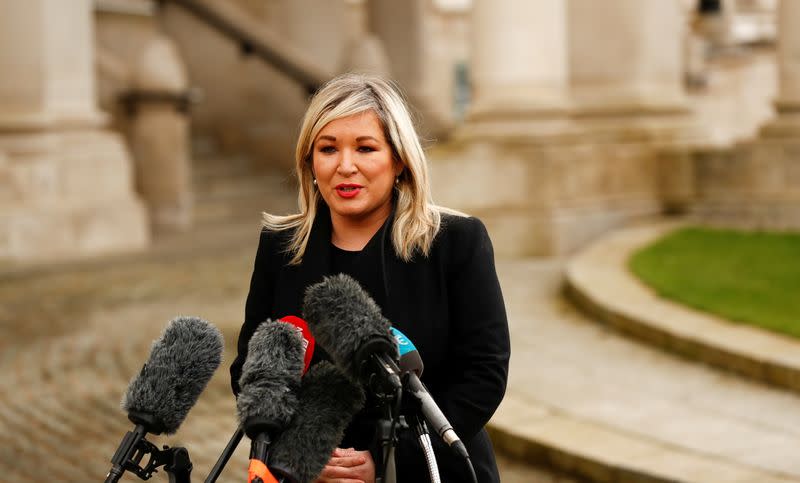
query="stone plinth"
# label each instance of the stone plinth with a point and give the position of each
(548, 195)
(69, 195)
(754, 185)
(66, 181)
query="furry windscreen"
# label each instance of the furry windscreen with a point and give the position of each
(328, 401)
(270, 377)
(181, 363)
(342, 317)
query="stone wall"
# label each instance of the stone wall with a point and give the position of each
(754, 185)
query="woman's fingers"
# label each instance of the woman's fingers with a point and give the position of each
(347, 461)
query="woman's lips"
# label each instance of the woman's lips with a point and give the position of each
(348, 190)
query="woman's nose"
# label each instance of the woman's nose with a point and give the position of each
(346, 164)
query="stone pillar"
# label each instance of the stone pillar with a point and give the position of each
(363, 51)
(787, 103)
(421, 57)
(626, 56)
(69, 180)
(159, 135)
(573, 100)
(47, 61)
(519, 58)
(511, 146)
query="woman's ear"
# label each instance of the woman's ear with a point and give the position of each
(398, 168)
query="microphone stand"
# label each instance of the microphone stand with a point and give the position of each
(385, 471)
(134, 447)
(388, 393)
(225, 456)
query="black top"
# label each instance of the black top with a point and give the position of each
(448, 304)
(360, 434)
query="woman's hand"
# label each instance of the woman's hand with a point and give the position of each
(348, 466)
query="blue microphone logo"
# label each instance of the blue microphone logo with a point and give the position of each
(404, 345)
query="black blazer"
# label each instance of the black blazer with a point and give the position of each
(448, 304)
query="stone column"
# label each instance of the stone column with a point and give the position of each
(421, 57)
(510, 149)
(158, 133)
(572, 100)
(625, 56)
(787, 103)
(519, 58)
(70, 185)
(47, 61)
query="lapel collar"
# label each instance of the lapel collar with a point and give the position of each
(317, 258)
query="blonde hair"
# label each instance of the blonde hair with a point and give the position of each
(417, 219)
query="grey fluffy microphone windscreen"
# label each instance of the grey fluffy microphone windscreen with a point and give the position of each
(344, 319)
(328, 400)
(270, 378)
(180, 365)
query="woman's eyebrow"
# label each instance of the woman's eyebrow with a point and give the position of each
(364, 138)
(327, 137)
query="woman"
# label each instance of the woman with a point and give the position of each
(366, 210)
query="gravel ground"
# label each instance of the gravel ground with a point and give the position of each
(72, 336)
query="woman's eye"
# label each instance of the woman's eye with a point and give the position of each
(327, 149)
(366, 149)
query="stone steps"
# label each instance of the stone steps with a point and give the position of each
(229, 189)
(598, 282)
(603, 406)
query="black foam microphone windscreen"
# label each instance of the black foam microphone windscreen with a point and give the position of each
(180, 365)
(328, 400)
(270, 379)
(343, 319)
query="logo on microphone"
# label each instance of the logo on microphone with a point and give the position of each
(404, 345)
(301, 327)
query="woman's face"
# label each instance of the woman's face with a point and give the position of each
(354, 168)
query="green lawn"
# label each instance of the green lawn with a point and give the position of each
(749, 277)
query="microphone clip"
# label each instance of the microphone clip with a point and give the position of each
(133, 449)
(379, 372)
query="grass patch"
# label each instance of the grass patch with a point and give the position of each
(748, 277)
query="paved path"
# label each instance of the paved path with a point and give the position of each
(581, 397)
(72, 337)
(599, 281)
(604, 406)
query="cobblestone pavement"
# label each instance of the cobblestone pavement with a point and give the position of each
(72, 337)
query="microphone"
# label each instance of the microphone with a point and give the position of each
(268, 399)
(349, 325)
(301, 328)
(410, 360)
(411, 366)
(328, 400)
(158, 399)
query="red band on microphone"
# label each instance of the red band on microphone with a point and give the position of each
(308, 339)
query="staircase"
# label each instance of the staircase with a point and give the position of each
(228, 189)
(230, 194)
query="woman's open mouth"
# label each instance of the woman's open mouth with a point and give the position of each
(348, 190)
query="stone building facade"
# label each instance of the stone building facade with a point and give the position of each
(553, 120)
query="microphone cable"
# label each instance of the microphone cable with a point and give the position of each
(421, 429)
